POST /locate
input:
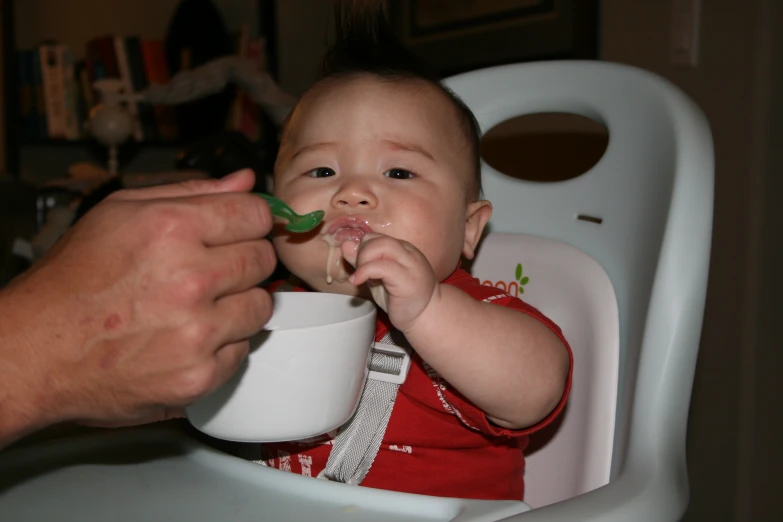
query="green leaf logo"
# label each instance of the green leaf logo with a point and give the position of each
(522, 280)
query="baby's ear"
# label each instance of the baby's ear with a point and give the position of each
(476, 217)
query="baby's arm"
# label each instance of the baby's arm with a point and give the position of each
(506, 362)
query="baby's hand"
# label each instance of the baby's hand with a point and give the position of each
(397, 269)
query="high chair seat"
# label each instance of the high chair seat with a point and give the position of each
(574, 455)
(627, 285)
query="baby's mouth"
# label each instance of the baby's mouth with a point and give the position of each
(347, 228)
(337, 232)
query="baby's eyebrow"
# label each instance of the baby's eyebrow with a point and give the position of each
(314, 146)
(409, 147)
(396, 145)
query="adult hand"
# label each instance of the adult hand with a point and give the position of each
(145, 305)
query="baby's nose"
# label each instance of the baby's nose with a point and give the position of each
(355, 196)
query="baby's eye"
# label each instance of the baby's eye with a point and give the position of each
(398, 174)
(321, 172)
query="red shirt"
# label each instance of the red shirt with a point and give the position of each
(437, 442)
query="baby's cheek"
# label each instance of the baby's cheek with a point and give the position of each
(285, 255)
(304, 260)
(443, 252)
(284, 248)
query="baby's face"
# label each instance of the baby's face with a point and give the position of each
(380, 156)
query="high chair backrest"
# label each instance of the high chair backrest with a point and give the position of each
(618, 257)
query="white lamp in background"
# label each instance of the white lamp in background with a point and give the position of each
(110, 121)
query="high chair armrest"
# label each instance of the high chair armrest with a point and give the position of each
(633, 497)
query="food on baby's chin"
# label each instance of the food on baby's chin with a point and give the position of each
(341, 230)
(334, 260)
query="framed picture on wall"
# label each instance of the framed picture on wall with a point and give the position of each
(461, 35)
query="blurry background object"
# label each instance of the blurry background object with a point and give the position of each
(461, 35)
(111, 123)
(197, 35)
(215, 76)
(220, 153)
(148, 90)
(56, 51)
(17, 219)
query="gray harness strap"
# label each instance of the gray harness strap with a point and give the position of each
(358, 440)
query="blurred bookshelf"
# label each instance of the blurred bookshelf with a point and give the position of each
(53, 51)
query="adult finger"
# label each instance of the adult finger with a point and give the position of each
(240, 181)
(227, 360)
(379, 269)
(242, 315)
(229, 218)
(158, 416)
(240, 266)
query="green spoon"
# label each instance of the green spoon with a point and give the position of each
(296, 223)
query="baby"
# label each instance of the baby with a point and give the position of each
(392, 156)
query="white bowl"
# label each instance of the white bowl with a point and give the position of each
(304, 374)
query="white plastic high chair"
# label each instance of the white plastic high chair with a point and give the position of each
(618, 257)
(628, 293)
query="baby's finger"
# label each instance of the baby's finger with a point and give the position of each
(371, 239)
(382, 247)
(387, 270)
(350, 251)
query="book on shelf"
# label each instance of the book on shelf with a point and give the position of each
(139, 82)
(72, 126)
(56, 91)
(28, 112)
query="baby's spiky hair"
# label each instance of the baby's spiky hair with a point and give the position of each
(365, 44)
